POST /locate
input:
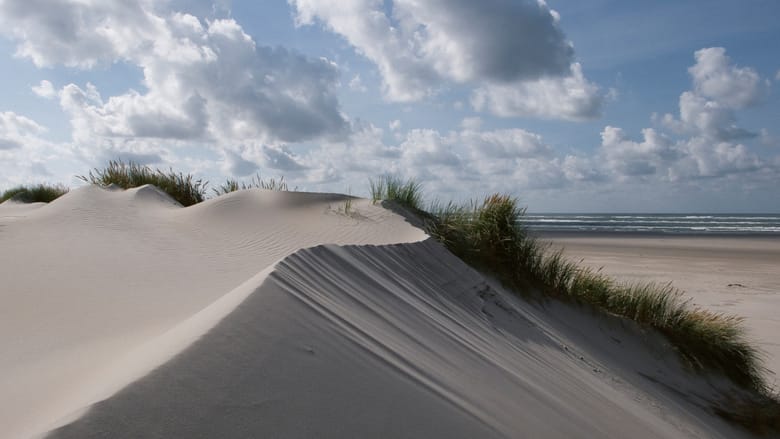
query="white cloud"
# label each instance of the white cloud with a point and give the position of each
(660, 158)
(356, 84)
(571, 98)
(425, 147)
(79, 34)
(45, 90)
(514, 48)
(505, 144)
(708, 146)
(626, 158)
(204, 81)
(235, 165)
(491, 160)
(703, 159)
(718, 90)
(471, 123)
(281, 158)
(582, 169)
(16, 131)
(714, 78)
(395, 125)
(27, 157)
(700, 116)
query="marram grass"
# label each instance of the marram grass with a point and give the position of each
(490, 236)
(182, 188)
(406, 193)
(232, 185)
(39, 193)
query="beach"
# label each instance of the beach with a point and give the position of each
(733, 274)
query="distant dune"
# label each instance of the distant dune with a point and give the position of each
(285, 314)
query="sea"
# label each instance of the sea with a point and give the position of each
(664, 224)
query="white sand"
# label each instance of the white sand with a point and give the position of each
(125, 315)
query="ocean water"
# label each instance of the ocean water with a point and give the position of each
(697, 224)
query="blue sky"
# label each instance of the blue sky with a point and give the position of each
(611, 106)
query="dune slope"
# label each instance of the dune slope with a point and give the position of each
(390, 341)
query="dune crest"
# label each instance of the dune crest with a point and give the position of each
(99, 273)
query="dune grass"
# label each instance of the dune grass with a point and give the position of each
(490, 236)
(232, 185)
(406, 193)
(39, 193)
(182, 188)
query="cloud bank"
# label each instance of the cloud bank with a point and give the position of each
(203, 80)
(514, 51)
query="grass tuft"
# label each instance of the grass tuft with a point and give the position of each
(40, 193)
(390, 188)
(232, 185)
(182, 188)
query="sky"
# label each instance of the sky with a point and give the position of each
(569, 105)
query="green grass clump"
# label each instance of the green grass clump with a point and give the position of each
(182, 188)
(490, 236)
(232, 185)
(40, 193)
(405, 193)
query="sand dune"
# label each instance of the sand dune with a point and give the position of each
(97, 274)
(267, 314)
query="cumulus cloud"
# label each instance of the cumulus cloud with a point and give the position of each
(426, 147)
(471, 123)
(203, 80)
(627, 158)
(715, 78)
(491, 160)
(45, 90)
(709, 145)
(719, 89)
(235, 165)
(356, 84)
(26, 156)
(504, 144)
(78, 34)
(582, 169)
(703, 159)
(515, 51)
(570, 97)
(657, 157)
(16, 131)
(281, 158)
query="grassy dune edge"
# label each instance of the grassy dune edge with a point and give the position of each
(39, 193)
(490, 236)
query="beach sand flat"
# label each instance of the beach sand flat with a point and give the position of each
(268, 314)
(737, 275)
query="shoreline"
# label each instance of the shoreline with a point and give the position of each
(732, 274)
(558, 234)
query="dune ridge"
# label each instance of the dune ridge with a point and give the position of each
(99, 273)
